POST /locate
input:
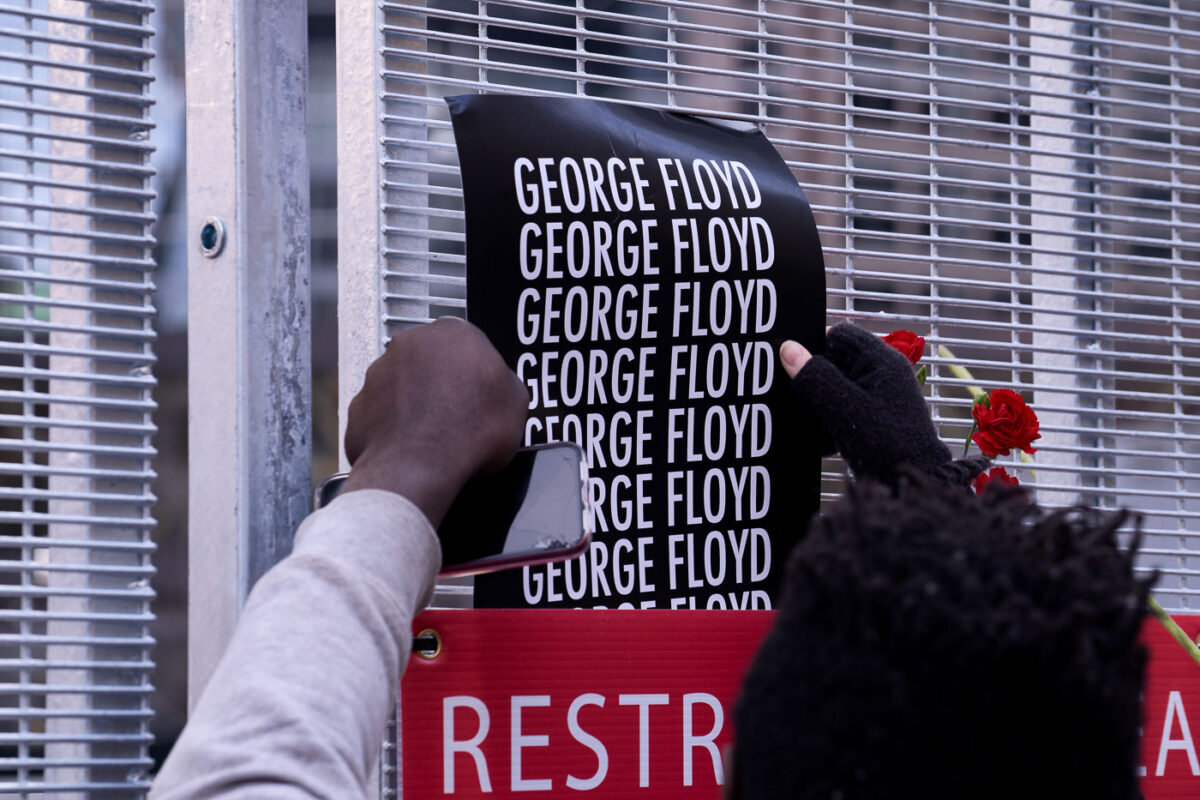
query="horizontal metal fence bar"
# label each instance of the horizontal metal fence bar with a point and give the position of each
(579, 54)
(143, 497)
(108, 356)
(774, 97)
(1156, 456)
(71, 688)
(767, 36)
(108, 167)
(99, 236)
(114, 404)
(1111, 417)
(108, 189)
(98, 46)
(409, 77)
(37, 640)
(960, 304)
(133, 122)
(1102, 273)
(119, 98)
(96, 70)
(128, 6)
(1104, 263)
(129, 380)
(136, 143)
(100, 787)
(141, 286)
(138, 264)
(949, 240)
(91, 665)
(18, 763)
(98, 738)
(95, 23)
(1099, 198)
(97, 617)
(434, 258)
(1007, 248)
(452, 302)
(111, 451)
(143, 336)
(34, 471)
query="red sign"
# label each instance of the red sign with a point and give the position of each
(639, 704)
(1170, 766)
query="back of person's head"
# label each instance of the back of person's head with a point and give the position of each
(931, 644)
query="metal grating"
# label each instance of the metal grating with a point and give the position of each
(1017, 180)
(75, 404)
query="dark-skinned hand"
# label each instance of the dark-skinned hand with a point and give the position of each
(864, 393)
(437, 408)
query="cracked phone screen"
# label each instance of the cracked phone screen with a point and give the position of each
(533, 505)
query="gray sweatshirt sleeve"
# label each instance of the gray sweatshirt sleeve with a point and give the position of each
(298, 704)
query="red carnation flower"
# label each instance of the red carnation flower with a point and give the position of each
(994, 475)
(1005, 422)
(908, 343)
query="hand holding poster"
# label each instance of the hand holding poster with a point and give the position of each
(638, 270)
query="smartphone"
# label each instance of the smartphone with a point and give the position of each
(534, 510)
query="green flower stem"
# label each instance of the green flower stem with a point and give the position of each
(960, 372)
(1173, 628)
(1028, 459)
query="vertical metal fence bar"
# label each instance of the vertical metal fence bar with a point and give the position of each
(935, 322)
(24, 775)
(848, 183)
(249, 337)
(1018, 174)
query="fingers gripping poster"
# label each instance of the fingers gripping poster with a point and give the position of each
(638, 270)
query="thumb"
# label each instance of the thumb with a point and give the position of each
(794, 356)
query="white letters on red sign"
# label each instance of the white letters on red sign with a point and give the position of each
(521, 740)
(587, 740)
(643, 702)
(450, 745)
(708, 741)
(1184, 742)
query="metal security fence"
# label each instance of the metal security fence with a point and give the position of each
(75, 405)
(1016, 180)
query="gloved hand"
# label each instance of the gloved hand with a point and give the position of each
(870, 404)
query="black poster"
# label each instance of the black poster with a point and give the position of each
(638, 269)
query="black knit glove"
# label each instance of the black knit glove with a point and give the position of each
(865, 394)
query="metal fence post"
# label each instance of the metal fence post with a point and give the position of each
(360, 225)
(249, 341)
(360, 219)
(1053, 278)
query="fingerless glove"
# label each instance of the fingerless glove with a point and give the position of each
(870, 404)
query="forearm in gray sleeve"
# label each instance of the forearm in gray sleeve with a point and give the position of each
(298, 704)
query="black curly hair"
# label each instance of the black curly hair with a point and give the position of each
(935, 645)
